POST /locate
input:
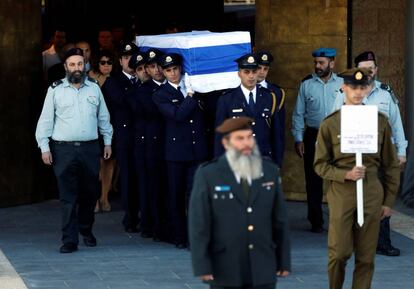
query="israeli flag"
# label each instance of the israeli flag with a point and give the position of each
(209, 57)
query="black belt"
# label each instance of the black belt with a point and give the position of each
(74, 143)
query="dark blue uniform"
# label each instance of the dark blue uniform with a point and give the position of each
(117, 90)
(185, 149)
(266, 120)
(149, 157)
(281, 113)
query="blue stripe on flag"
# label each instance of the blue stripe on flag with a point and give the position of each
(211, 59)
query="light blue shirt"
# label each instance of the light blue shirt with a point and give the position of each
(314, 103)
(386, 104)
(71, 114)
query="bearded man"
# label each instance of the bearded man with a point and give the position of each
(238, 227)
(314, 102)
(73, 113)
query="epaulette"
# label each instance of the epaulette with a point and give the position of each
(391, 92)
(309, 76)
(229, 91)
(93, 80)
(56, 83)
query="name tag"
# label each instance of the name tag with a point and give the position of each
(222, 188)
(175, 100)
(237, 110)
(268, 184)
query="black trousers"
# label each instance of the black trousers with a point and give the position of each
(76, 166)
(267, 286)
(314, 183)
(127, 185)
(180, 183)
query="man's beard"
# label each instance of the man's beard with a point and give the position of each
(76, 77)
(323, 72)
(246, 166)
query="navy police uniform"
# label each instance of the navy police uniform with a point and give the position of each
(266, 58)
(185, 145)
(117, 89)
(233, 104)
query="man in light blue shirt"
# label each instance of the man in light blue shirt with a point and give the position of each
(314, 102)
(67, 135)
(382, 96)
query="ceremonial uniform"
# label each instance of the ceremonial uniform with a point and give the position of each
(185, 145)
(117, 89)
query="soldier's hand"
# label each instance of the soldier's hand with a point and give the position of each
(107, 152)
(207, 277)
(402, 160)
(356, 173)
(47, 158)
(385, 212)
(300, 149)
(282, 273)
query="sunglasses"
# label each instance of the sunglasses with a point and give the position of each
(103, 62)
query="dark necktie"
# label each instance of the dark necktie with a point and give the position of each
(133, 80)
(179, 90)
(251, 101)
(245, 187)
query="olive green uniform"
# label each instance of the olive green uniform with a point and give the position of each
(345, 236)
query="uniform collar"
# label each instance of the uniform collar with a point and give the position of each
(66, 83)
(263, 83)
(333, 77)
(246, 91)
(128, 75)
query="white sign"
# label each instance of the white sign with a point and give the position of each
(359, 129)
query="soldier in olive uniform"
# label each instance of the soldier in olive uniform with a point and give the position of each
(344, 235)
(238, 225)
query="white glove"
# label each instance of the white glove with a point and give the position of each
(187, 84)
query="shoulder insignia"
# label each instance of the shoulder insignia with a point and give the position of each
(282, 99)
(388, 88)
(92, 80)
(56, 83)
(309, 76)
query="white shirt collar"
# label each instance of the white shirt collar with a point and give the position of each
(128, 75)
(249, 180)
(158, 82)
(263, 83)
(246, 93)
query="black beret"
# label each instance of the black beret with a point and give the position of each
(365, 56)
(128, 48)
(233, 124)
(356, 76)
(137, 59)
(72, 52)
(170, 59)
(153, 55)
(248, 61)
(264, 58)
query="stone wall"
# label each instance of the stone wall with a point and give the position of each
(291, 29)
(20, 58)
(379, 25)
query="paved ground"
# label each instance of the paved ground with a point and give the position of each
(29, 239)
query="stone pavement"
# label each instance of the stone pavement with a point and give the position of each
(29, 239)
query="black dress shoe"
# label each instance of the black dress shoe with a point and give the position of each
(316, 229)
(68, 248)
(90, 240)
(181, 245)
(388, 251)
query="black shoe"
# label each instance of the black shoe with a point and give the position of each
(131, 229)
(181, 245)
(89, 241)
(146, 235)
(68, 248)
(316, 229)
(388, 251)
